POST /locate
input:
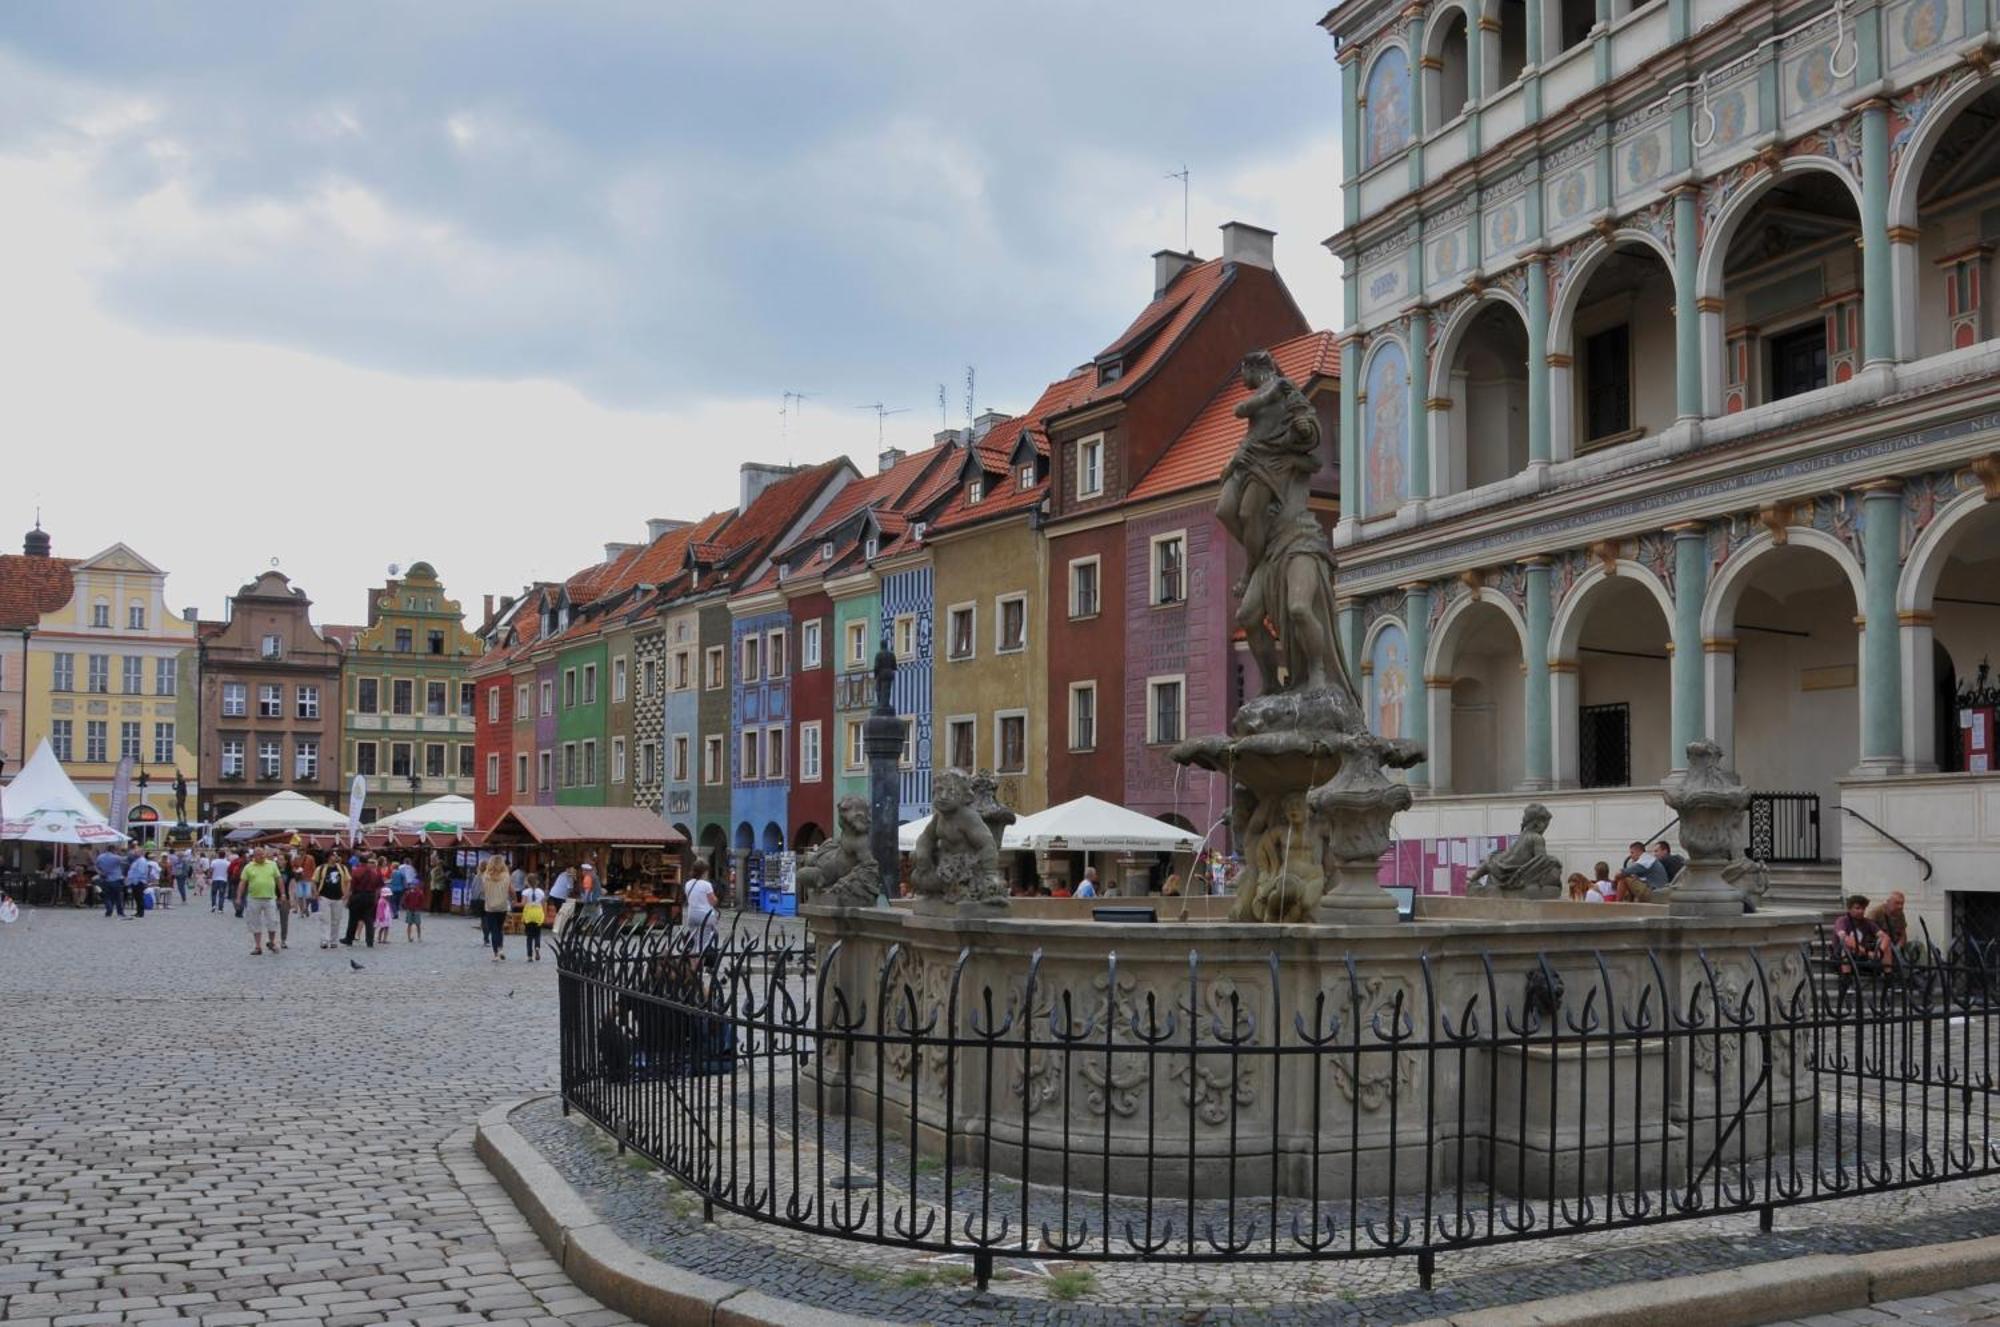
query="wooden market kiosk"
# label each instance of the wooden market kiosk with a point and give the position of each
(637, 855)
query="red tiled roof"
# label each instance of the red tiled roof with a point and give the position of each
(752, 536)
(30, 587)
(340, 634)
(996, 453)
(1156, 329)
(1198, 456)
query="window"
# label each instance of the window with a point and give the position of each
(521, 772)
(746, 760)
(590, 764)
(1012, 613)
(810, 651)
(305, 760)
(569, 688)
(270, 760)
(1607, 382)
(434, 642)
(649, 677)
(1165, 712)
(402, 759)
(569, 769)
(590, 684)
(618, 680)
(132, 675)
(1083, 716)
(712, 668)
(1798, 360)
(493, 773)
(962, 742)
(906, 637)
(135, 617)
(1604, 746)
(548, 698)
(1090, 467)
(128, 740)
(64, 677)
(649, 762)
(468, 756)
(908, 758)
(434, 760)
(809, 752)
(466, 692)
(402, 695)
(232, 757)
(544, 761)
(680, 761)
(776, 655)
(166, 677)
(683, 665)
(857, 644)
(403, 642)
(235, 700)
(774, 752)
(711, 760)
(62, 737)
(751, 650)
(960, 640)
(98, 678)
(364, 758)
(1083, 595)
(163, 744)
(871, 547)
(271, 647)
(1025, 477)
(270, 700)
(975, 490)
(618, 760)
(854, 757)
(100, 614)
(367, 696)
(493, 704)
(1010, 740)
(1169, 569)
(523, 706)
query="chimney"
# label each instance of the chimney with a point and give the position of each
(659, 527)
(612, 552)
(489, 609)
(506, 602)
(755, 477)
(1167, 265)
(983, 425)
(1249, 245)
(36, 545)
(954, 437)
(890, 458)
(191, 613)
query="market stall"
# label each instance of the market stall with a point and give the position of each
(285, 811)
(637, 855)
(42, 806)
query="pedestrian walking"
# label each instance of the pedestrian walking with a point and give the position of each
(534, 911)
(362, 887)
(305, 874)
(415, 899)
(110, 866)
(496, 901)
(183, 871)
(331, 882)
(404, 876)
(218, 881)
(257, 891)
(140, 877)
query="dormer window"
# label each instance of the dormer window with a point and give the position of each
(975, 490)
(872, 548)
(826, 551)
(1109, 371)
(1026, 476)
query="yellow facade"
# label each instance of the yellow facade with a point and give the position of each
(111, 673)
(993, 684)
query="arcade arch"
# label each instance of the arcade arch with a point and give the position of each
(1610, 672)
(1476, 697)
(1482, 437)
(1949, 606)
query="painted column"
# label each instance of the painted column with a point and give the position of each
(1417, 413)
(1538, 353)
(1878, 288)
(1687, 315)
(1903, 264)
(1531, 79)
(1718, 666)
(1916, 634)
(1417, 628)
(1689, 717)
(1536, 767)
(1881, 660)
(1418, 127)
(1565, 717)
(1350, 428)
(1350, 129)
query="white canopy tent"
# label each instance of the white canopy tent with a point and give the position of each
(452, 811)
(41, 805)
(286, 810)
(1088, 824)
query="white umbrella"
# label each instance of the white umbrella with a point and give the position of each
(43, 806)
(286, 810)
(451, 810)
(1091, 824)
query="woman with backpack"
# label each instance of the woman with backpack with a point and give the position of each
(331, 882)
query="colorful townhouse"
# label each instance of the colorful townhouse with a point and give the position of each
(688, 759)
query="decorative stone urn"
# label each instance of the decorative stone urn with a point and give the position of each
(1710, 799)
(1358, 804)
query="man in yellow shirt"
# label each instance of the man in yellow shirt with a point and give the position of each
(257, 895)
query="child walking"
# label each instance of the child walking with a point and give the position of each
(382, 917)
(534, 903)
(415, 899)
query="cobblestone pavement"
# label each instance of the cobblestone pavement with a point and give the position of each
(1973, 1306)
(195, 1135)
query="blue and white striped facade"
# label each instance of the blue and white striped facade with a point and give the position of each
(909, 594)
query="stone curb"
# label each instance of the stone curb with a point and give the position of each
(618, 1275)
(610, 1270)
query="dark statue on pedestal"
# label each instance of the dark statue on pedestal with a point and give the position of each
(180, 798)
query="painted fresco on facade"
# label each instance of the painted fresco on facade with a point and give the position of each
(1920, 27)
(1389, 682)
(1387, 125)
(1386, 482)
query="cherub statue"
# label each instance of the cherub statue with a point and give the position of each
(1522, 869)
(955, 856)
(1287, 866)
(843, 868)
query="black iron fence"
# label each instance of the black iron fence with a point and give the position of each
(1784, 827)
(1395, 1111)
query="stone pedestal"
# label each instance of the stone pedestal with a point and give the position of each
(1710, 799)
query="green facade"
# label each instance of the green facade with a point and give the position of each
(583, 692)
(852, 687)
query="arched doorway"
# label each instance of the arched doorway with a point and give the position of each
(808, 837)
(1949, 606)
(1485, 378)
(688, 848)
(1610, 671)
(774, 838)
(1615, 323)
(1476, 698)
(1953, 196)
(715, 850)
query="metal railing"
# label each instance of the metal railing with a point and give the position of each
(1784, 827)
(1390, 1113)
(1921, 860)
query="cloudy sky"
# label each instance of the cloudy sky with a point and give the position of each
(342, 285)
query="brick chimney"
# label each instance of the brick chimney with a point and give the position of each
(489, 609)
(1167, 264)
(755, 477)
(1249, 245)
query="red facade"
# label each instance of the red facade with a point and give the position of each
(493, 738)
(811, 800)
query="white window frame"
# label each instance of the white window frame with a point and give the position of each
(749, 663)
(132, 675)
(548, 697)
(714, 664)
(545, 767)
(908, 758)
(749, 748)
(1026, 478)
(853, 752)
(305, 759)
(1153, 684)
(135, 617)
(270, 759)
(1096, 715)
(857, 644)
(589, 684)
(970, 612)
(1000, 645)
(1096, 564)
(812, 756)
(812, 650)
(975, 491)
(520, 771)
(777, 755)
(590, 770)
(442, 690)
(682, 767)
(374, 761)
(569, 688)
(618, 760)
(232, 757)
(270, 700)
(492, 773)
(1000, 719)
(649, 762)
(906, 636)
(649, 677)
(712, 758)
(163, 742)
(569, 765)
(131, 739)
(235, 700)
(524, 701)
(620, 667)
(1092, 447)
(271, 646)
(1154, 568)
(493, 706)
(306, 700)
(166, 677)
(954, 725)
(100, 614)
(777, 655)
